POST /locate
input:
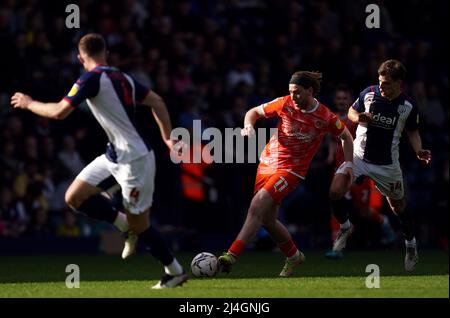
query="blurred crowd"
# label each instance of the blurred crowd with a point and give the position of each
(210, 60)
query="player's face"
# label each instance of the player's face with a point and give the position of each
(342, 100)
(299, 95)
(388, 87)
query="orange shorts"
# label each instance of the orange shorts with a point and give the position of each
(278, 184)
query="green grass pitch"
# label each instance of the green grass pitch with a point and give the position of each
(254, 276)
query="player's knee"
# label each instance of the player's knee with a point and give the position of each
(398, 206)
(269, 222)
(256, 211)
(72, 199)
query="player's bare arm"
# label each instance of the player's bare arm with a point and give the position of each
(159, 110)
(250, 119)
(347, 146)
(358, 117)
(416, 143)
(50, 110)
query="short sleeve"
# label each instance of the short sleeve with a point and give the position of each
(274, 107)
(412, 122)
(141, 91)
(86, 86)
(358, 105)
(335, 125)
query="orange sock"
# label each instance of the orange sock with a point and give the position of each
(237, 248)
(288, 248)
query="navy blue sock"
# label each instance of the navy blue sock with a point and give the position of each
(340, 210)
(407, 225)
(158, 247)
(100, 208)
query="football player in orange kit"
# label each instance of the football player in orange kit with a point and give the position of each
(303, 123)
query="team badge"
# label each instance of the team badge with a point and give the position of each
(318, 124)
(338, 124)
(402, 109)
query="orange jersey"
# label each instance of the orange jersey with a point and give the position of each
(339, 155)
(299, 136)
(365, 195)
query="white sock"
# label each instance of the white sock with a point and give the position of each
(411, 243)
(174, 268)
(121, 222)
(295, 256)
(345, 225)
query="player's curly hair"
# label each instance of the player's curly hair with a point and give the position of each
(394, 69)
(92, 44)
(307, 79)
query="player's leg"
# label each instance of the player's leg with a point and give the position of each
(398, 206)
(270, 191)
(152, 238)
(389, 180)
(335, 227)
(84, 194)
(283, 238)
(374, 207)
(340, 185)
(261, 204)
(137, 182)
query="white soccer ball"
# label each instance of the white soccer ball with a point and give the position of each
(204, 265)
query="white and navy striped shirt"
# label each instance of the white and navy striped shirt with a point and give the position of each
(112, 97)
(377, 142)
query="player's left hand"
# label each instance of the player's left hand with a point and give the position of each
(424, 155)
(20, 100)
(177, 146)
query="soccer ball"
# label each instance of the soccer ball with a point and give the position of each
(204, 265)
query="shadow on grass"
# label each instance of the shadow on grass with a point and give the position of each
(260, 265)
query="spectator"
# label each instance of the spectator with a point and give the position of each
(13, 216)
(70, 157)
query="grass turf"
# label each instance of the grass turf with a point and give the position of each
(254, 276)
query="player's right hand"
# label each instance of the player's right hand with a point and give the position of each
(424, 156)
(365, 117)
(248, 130)
(20, 100)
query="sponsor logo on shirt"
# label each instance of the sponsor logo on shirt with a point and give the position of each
(383, 121)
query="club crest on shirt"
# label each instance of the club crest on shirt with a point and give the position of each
(318, 124)
(402, 109)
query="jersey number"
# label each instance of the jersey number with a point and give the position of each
(134, 194)
(395, 186)
(280, 185)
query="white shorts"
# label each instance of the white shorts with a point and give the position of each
(388, 178)
(136, 179)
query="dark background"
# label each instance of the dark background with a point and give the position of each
(210, 60)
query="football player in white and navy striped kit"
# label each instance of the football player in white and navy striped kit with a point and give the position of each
(113, 96)
(382, 112)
